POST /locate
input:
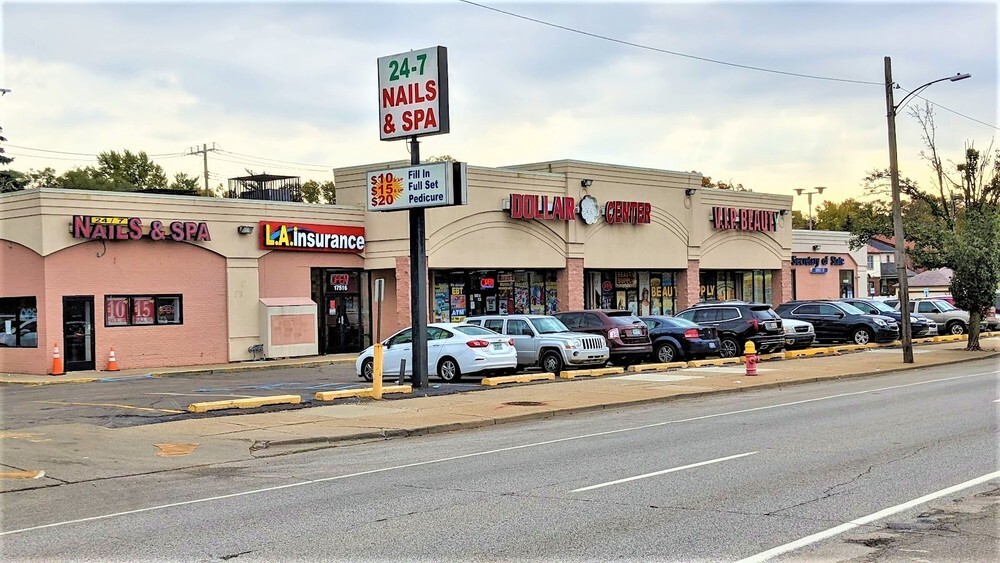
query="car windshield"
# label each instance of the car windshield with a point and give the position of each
(682, 323)
(764, 314)
(475, 330)
(945, 306)
(548, 325)
(881, 306)
(851, 309)
(624, 318)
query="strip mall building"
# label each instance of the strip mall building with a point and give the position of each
(175, 280)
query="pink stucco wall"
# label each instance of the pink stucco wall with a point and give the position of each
(22, 274)
(286, 273)
(287, 330)
(824, 286)
(140, 267)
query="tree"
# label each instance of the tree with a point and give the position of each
(132, 168)
(799, 221)
(4, 159)
(442, 158)
(954, 224)
(315, 192)
(183, 182)
(706, 182)
(90, 178)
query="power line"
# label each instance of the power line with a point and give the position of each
(270, 165)
(665, 51)
(46, 157)
(275, 159)
(935, 104)
(161, 155)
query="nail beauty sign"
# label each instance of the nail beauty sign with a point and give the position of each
(413, 93)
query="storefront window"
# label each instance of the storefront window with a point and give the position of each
(725, 285)
(139, 310)
(643, 292)
(18, 322)
(461, 294)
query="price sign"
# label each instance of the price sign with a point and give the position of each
(143, 309)
(427, 185)
(116, 311)
(413, 93)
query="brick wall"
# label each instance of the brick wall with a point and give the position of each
(782, 284)
(570, 285)
(688, 286)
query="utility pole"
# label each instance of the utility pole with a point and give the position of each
(204, 152)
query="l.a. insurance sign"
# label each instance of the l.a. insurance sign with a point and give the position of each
(413, 93)
(426, 185)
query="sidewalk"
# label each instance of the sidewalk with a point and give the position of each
(77, 452)
(95, 375)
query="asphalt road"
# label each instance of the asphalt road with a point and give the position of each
(116, 402)
(722, 477)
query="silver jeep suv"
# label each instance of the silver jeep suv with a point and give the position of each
(544, 341)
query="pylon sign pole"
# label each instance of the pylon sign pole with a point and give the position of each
(413, 102)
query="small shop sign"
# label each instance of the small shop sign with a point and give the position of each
(735, 218)
(131, 228)
(279, 235)
(816, 261)
(428, 185)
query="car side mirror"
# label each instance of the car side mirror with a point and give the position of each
(935, 310)
(840, 315)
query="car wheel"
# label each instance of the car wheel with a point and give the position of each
(448, 370)
(666, 353)
(862, 336)
(551, 362)
(368, 369)
(956, 328)
(729, 347)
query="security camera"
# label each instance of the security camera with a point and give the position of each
(4, 91)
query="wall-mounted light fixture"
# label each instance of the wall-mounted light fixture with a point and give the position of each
(816, 247)
(244, 229)
(783, 212)
(690, 191)
(586, 183)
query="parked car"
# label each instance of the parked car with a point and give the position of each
(798, 334)
(627, 336)
(951, 318)
(738, 322)
(677, 339)
(544, 341)
(836, 321)
(453, 350)
(920, 326)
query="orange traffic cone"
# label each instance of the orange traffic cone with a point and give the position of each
(57, 363)
(112, 362)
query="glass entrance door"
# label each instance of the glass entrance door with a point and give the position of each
(343, 311)
(78, 333)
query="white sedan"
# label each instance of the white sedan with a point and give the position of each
(453, 350)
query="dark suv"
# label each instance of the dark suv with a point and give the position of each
(836, 321)
(627, 336)
(920, 326)
(737, 323)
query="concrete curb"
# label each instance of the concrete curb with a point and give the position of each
(523, 378)
(364, 392)
(811, 352)
(248, 403)
(324, 442)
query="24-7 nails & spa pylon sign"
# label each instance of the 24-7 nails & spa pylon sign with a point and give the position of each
(413, 93)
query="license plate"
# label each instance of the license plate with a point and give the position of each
(636, 331)
(498, 345)
(711, 345)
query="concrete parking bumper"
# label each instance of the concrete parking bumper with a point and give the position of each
(247, 403)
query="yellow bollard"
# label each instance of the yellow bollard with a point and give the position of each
(377, 372)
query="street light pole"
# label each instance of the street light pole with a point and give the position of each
(800, 191)
(897, 213)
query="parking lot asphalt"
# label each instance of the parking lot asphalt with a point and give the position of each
(73, 452)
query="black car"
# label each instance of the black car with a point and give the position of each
(738, 322)
(835, 321)
(920, 326)
(679, 339)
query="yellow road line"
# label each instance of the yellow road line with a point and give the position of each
(33, 474)
(146, 409)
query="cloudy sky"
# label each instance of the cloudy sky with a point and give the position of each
(297, 84)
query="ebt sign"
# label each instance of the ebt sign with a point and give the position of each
(413, 93)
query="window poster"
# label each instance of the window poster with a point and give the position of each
(620, 299)
(491, 304)
(537, 299)
(457, 303)
(644, 295)
(442, 307)
(521, 300)
(143, 310)
(115, 311)
(655, 295)
(631, 296)
(625, 279)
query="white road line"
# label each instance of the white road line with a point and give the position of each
(665, 471)
(781, 549)
(485, 453)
